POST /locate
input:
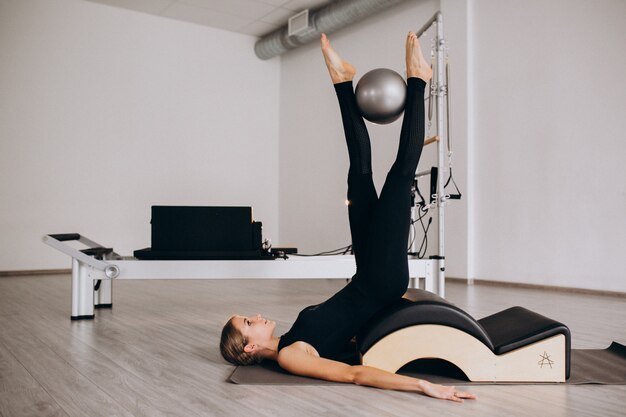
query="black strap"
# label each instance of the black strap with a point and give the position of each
(422, 202)
(64, 237)
(458, 194)
(434, 172)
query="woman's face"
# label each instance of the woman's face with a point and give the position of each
(255, 329)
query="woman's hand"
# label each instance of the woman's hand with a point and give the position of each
(443, 392)
(298, 360)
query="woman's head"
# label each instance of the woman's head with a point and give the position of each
(244, 338)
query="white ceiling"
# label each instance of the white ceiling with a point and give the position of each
(250, 17)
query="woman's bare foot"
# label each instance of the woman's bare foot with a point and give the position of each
(340, 70)
(416, 64)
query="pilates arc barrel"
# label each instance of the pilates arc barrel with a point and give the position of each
(514, 345)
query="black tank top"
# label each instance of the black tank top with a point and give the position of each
(330, 326)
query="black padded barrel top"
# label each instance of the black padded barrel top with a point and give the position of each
(517, 327)
(419, 307)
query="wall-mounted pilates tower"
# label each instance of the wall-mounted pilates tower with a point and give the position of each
(438, 94)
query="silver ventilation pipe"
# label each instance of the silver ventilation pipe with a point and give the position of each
(328, 19)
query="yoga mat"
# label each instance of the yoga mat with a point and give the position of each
(588, 366)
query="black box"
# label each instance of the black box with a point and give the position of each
(193, 228)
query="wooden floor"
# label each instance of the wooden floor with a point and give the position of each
(155, 354)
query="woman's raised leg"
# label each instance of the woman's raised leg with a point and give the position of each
(412, 134)
(362, 196)
(386, 254)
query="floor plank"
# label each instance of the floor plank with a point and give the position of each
(75, 393)
(29, 402)
(13, 376)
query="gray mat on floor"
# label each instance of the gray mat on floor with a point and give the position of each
(588, 366)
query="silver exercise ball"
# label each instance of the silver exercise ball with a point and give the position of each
(380, 95)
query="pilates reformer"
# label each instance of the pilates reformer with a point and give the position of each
(95, 267)
(513, 345)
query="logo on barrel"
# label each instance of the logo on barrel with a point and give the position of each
(545, 360)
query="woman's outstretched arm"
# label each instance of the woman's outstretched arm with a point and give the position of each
(297, 360)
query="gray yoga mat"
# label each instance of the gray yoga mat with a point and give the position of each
(588, 366)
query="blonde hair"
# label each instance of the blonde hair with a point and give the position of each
(232, 345)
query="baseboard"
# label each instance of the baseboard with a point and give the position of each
(23, 273)
(493, 283)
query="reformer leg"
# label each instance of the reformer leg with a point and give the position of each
(431, 276)
(82, 291)
(103, 290)
(103, 294)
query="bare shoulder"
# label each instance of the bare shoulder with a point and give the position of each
(300, 346)
(300, 358)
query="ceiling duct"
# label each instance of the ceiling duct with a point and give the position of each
(328, 19)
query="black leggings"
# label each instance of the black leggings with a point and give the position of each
(380, 226)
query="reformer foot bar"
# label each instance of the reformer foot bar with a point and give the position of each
(95, 267)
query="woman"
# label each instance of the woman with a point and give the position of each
(379, 229)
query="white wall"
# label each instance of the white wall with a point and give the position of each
(549, 101)
(105, 112)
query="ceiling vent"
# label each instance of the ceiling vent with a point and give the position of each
(299, 24)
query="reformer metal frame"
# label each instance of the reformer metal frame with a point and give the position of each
(86, 270)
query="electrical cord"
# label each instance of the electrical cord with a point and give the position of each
(334, 252)
(424, 245)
